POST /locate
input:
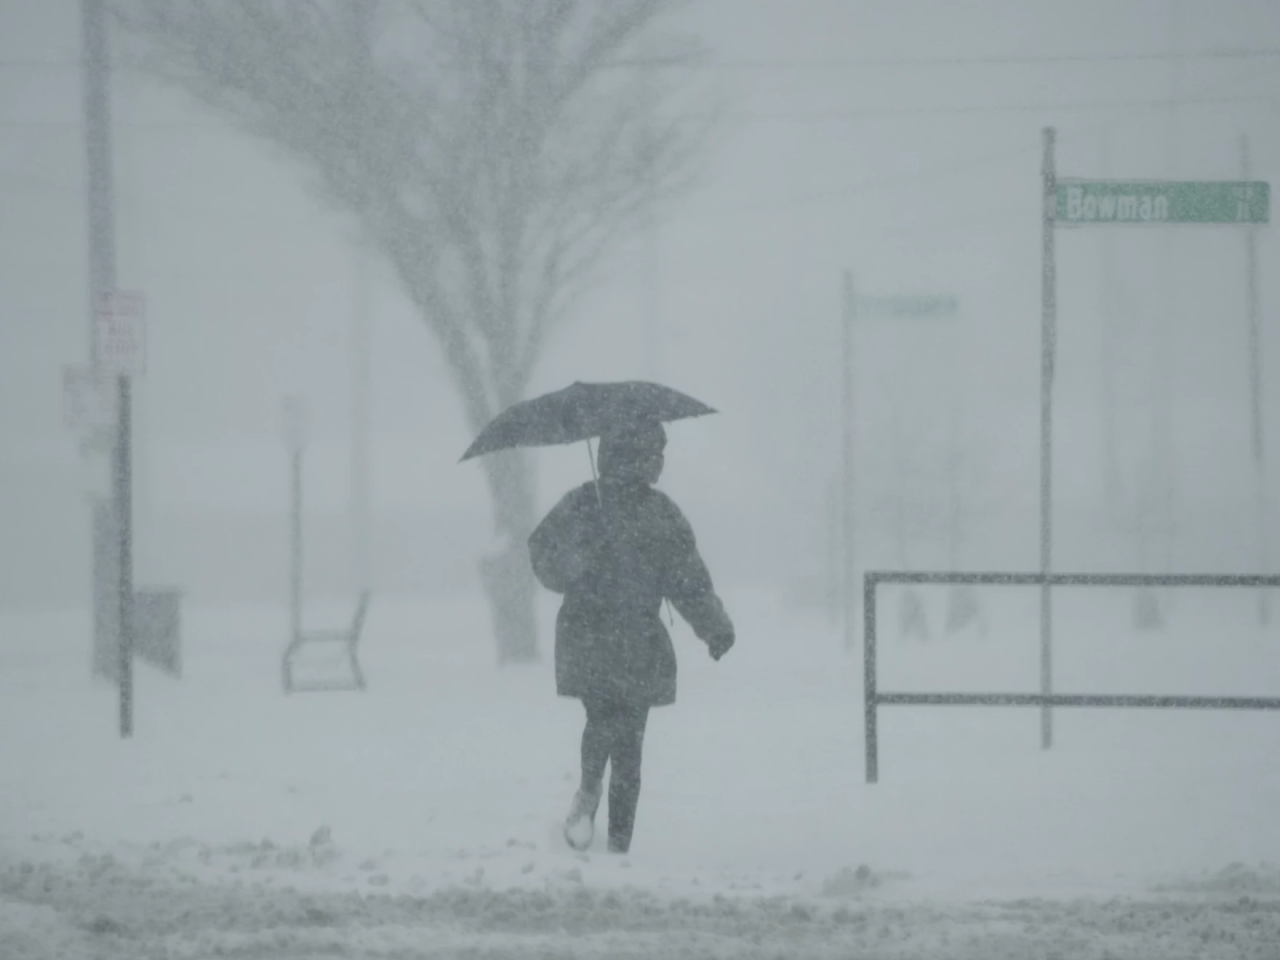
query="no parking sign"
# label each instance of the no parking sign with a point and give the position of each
(120, 334)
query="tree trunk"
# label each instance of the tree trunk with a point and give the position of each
(507, 576)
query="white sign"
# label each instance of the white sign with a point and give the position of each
(88, 400)
(120, 342)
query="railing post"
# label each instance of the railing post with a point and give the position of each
(869, 704)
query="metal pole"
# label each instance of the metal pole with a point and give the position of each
(361, 389)
(100, 212)
(102, 278)
(1048, 338)
(1161, 485)
(361, 25)
(124, 514)
(869, 701)
(849, 511)
(295, 545)
(1110, 455)
(652, 248)
(1255, 394)
(112, 520)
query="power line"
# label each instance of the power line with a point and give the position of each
(810, 116)
(159, 126)
(841, 63)
(967, 109)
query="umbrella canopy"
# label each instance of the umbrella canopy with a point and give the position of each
(582, 411)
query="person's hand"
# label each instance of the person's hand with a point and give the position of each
(719, 644)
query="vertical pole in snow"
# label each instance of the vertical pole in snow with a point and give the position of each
(100, 221)
(295, 435)
(361, 403)
(112, 533)
(295, 543)
(652, 267)
(1048, 337)
(1110, 455)
(869, 703)
(1255, 395)
(361, 26)
(849, 517)
(123, 488)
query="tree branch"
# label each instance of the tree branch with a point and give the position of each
(495, 150)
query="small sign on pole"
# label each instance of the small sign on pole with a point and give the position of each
(120, 334)
(909, 305)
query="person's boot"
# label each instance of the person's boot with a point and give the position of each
(579, 825)
(624, 792)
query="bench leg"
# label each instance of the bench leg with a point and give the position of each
(355, 666)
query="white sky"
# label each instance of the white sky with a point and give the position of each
(834, 159)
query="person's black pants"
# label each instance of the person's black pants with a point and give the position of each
(615, 733)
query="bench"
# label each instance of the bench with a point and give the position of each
(341, 644)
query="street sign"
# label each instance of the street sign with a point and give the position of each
(1082, 202)
(120, 334)
(909, 305)
(157, 633)
(88, 400)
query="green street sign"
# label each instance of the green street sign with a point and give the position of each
(919, 305)
(1088, 202)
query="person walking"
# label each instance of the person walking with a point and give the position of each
(616, 548)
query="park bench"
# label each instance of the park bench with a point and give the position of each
(323, 650)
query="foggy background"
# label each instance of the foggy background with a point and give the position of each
(900, 140)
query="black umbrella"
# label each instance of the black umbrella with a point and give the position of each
(582, 411)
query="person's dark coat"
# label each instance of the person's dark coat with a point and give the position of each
(616, 552)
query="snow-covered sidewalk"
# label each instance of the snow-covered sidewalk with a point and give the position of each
(103, 911)
(420, 818)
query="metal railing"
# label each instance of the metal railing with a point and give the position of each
(873, 699)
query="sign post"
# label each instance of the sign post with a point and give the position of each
(1255, 396)
(1071, 202)
(120, 354)
(295, 432)
(1048, 347)
(849, 584)
(100, 234)
(855, 306)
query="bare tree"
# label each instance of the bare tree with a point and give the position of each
(493, 151)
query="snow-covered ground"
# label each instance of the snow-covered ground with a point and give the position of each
(420, 818)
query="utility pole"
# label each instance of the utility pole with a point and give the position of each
(112, 534)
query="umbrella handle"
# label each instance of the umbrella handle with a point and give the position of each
(595, 477)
